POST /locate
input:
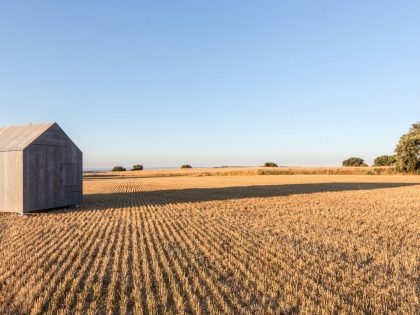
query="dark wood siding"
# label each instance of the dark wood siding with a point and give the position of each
(35, 178)
(56, 155)
(53, 172)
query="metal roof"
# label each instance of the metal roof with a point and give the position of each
(17, 138)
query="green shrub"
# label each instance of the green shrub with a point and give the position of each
(408, 150)
(137, 168)
(186, 166)
(118, 169)
(270, 164)
(354, 161)
(385, 160)
(275, 172)
(378, 171)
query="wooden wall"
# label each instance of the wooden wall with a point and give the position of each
(11, 181)
(58, 179)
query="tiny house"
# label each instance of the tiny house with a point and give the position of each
(40, 168)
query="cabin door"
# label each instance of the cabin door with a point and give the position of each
(71, 183)
(56, 156)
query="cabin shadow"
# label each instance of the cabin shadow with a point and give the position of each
(176, 196)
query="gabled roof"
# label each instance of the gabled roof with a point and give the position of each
(17, 138)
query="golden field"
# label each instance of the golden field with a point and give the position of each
(308, 244)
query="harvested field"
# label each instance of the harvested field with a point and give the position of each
(231, 244)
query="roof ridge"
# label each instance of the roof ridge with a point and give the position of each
(30, 124)
(17, 138)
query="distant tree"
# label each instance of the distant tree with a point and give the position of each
(408, 150)
(118, 169)
(354, 161)
(186, 166)
(385, 160)
(270, 164)
(137, 168)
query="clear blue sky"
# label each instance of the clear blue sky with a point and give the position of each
(209, 83)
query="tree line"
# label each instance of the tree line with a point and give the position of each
(406, 158)
(140, 168)
(407, 154)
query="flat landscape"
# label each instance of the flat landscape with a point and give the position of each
(248, 244)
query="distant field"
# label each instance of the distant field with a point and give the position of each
(219, 244)
(246, 171)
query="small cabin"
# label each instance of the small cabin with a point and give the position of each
(40, 168)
